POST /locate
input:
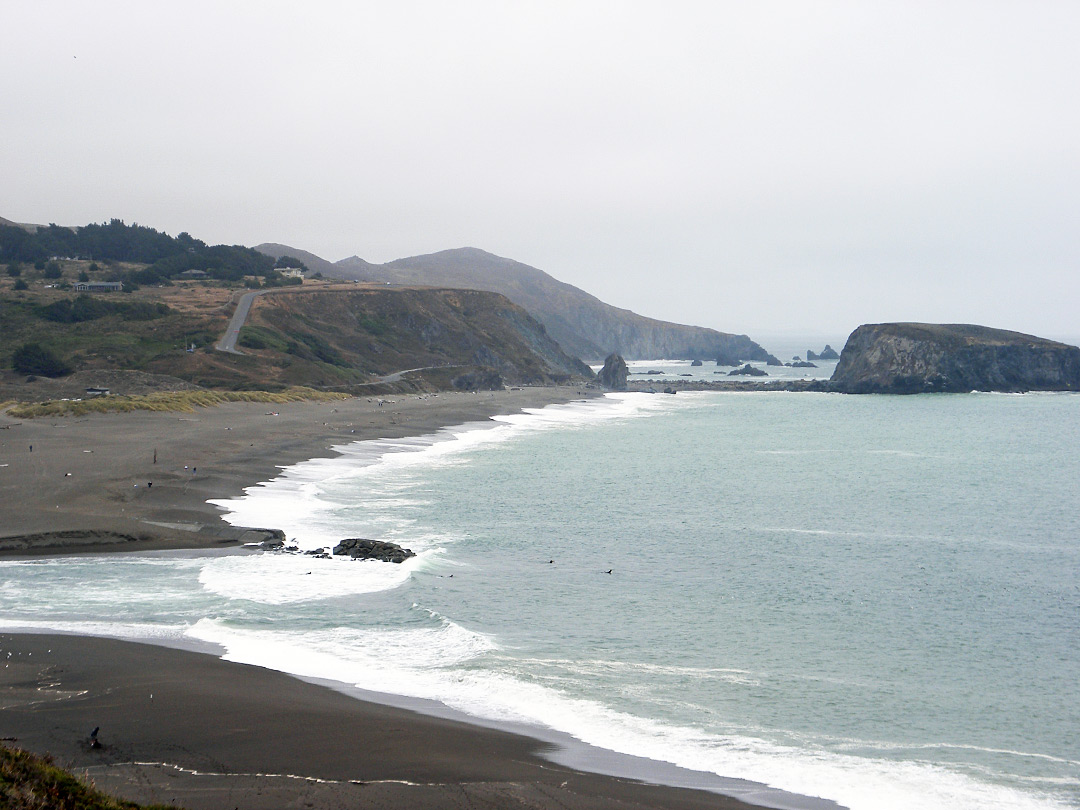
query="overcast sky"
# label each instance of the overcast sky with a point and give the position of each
(757, 167)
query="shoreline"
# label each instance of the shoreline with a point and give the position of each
(281, 446)
(189, 728)
(83, 484)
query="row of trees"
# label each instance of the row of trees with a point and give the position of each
(115, 241)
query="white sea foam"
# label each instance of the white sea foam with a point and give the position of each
(442, 664)
(433, 657)
(305, 499)
(143, 631)
(277, 579)
(372, 658)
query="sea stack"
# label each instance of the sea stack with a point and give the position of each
(915, 358)
(614, 373)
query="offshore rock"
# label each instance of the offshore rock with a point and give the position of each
(828, 353)
(696, 363)
(748, 371)
(811, 356)
(361, 549)
(915, 358)
(614, 373)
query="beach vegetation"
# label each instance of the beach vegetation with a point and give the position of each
(181, 401)
(32, 782)
(20, 284)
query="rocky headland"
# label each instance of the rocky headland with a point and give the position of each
(915, 358)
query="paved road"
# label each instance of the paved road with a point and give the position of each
(228, 342)
(397, 375)
(243, 307)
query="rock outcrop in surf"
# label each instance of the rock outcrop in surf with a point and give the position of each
(361, 549)
(614, 373)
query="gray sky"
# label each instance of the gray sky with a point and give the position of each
(758, 167)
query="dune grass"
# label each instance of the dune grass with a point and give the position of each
(183, 401)
(30, 782)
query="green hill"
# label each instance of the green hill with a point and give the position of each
(583, 325)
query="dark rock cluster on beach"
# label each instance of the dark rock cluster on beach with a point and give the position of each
(361, 549)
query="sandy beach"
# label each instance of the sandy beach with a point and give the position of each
(187, 728)
(190, 729)
(84, 483)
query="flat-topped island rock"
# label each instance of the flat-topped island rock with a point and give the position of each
(915, 358)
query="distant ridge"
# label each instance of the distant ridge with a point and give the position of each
(24, 225)
(316, 264)
(583, 325)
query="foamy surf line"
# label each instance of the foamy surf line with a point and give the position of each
(437, 662)
(300, 500)
(433, 670)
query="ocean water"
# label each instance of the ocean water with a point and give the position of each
(874, 600)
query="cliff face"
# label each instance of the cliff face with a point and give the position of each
(914, 358)
(582, 324)
(385, 330)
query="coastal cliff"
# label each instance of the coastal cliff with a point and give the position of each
(915, 358)
(581, 323)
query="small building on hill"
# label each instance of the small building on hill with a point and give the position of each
(98, 286)
(194, 274)
(291, 272)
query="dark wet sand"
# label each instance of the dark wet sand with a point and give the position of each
(190, 729)
(87, 476)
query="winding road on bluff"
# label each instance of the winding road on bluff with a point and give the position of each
(243, 307)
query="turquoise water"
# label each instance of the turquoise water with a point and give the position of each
(874, 600)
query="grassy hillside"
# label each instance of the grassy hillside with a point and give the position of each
(583, 325)
(31, 782)
(382, 330)
(319, 334)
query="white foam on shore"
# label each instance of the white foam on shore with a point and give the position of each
(465, 670)
(278, 579)
(306, 499)
(447, 664)
(130, 631)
